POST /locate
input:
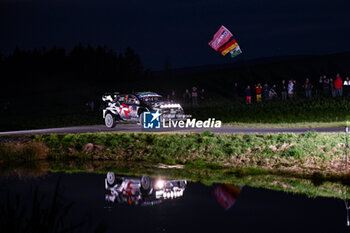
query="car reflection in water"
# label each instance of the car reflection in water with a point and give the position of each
(142, 190)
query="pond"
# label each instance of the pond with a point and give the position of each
(89, 202)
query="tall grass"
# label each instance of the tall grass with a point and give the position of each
(291, 111)
(23, 151)
(304, 153)
(295, 153)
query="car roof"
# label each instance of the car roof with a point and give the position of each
(146, 94)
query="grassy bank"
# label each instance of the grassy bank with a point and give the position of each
(284, 153)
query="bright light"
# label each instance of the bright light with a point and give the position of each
(170, 106)
(160, 184)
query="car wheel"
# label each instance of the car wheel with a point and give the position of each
(146, 183)
(110, 178)
(110, 120)
(140, 119)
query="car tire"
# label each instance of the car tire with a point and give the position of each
(146, 183)
(110, 178)
(110, 120)
(140, 119)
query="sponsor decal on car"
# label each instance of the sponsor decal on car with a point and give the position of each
(124, 110)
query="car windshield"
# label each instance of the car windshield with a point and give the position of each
(149, 96)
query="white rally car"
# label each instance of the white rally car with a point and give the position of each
(129, 107)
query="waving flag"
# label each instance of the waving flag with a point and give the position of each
(221, 37)
(229, 46)
(235, 52)
(224, 42)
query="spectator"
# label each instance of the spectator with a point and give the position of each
(6, 106)
(173, 96)
(295, 89)
(331, 87)
(346, 87)
(202, 95)
(248, 94)
(307, 87)
(291, 89)
(194, 96)
(90, 106)
(258, 89)
(283, 90)
(187, 96)
(338, 84)
(235, 92)
(320, 84)
(265, 92)
(273, 93)
(325, 86)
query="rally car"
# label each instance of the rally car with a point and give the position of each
(129, 107)
(142, 190)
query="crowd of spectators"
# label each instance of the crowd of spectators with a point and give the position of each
(192, 96)
(290, 89)
(326, 87)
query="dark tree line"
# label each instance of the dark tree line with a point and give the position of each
(39, 69)
(85, 73)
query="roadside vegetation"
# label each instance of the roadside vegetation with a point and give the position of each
(300, 112)
(303, 154)
(318, 112)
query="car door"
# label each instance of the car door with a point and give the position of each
(128, 108)
(133, 106)
(124, 108)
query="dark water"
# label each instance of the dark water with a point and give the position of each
(198, 210)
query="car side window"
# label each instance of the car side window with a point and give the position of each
(131, 99)
(121, 99)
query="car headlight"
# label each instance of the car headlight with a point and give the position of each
(159, 184)
(170, 106)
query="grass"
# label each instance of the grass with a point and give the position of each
(318, 112)
(23, 151)
(311, 163)
(293, 153)
(291, 113)
(335, 124)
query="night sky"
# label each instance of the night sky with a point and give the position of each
(178, 29)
